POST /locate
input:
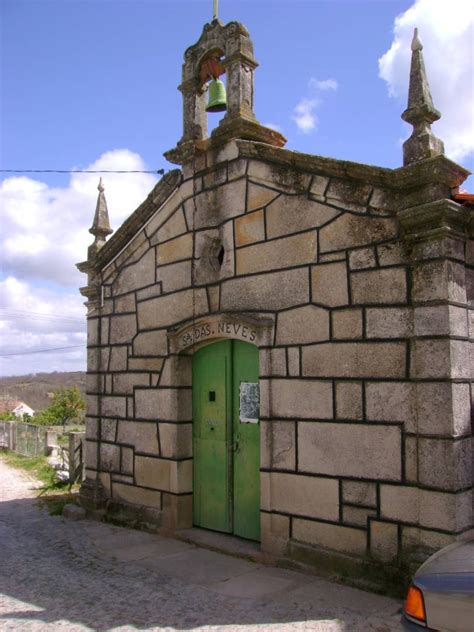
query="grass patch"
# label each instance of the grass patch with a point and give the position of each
(54, 494)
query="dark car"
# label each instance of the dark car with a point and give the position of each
(441, 596)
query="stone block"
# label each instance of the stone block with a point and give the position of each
(278, 445)
(177, 371)
(389, 322)
(175, 276)
(136, 495)
(270, 291)
(165, 475)
(127, 458)
(92, 428)
(455, 457)
(413, 537)
(330, 536)
(288, 252)
(124, 383)
(176, 440)
(329, 284)
(145, 364)
(165, 211)
(437, 358)
(164, 311)
(438, 281)
(391, 254)
(443, 408)
(118, 358)
(294, 494)
(92, 405)
(173, 227)
(386, 285)
(175, 250)
(349, 400)
(151, 343)
(258, 197)
(124, 303)
(274, 526)
(349, 194)
(411, 459)
(272, 362)
(430, 509)
(216, 177)
(109, 458)
(281, 178)
(293, 214)
(293, 354)
(142, 435)
(347, 324)
(392, 401)
(113, 406)
(354, 359)
(93, 331)
(210, 208)
(302, 325)
(108, 430)
(136, 275)
(177, 511)
(362, 259)
(297, 399)
(346, 449)
(383, 540)
(440, 320)
(91, 456)
(213, 295)
(319, 185)
(357, 516)
(105, 331)
(359, 493)
(351, 231)
(249, 228)
(167, 404)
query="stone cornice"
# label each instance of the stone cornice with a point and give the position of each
(443, 218)
(438, 169)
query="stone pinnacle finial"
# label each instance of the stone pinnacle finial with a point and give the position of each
(420, 111)
(100, 226)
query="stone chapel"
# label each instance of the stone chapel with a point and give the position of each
(279, 343)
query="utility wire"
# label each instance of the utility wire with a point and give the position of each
(18, 312)
(159, 171)
(8, 355)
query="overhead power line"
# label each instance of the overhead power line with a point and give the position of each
(18, 313)
(21, 353)
(156, 171)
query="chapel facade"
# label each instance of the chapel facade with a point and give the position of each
(279, 343)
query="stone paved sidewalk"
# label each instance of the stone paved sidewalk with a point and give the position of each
(59, 574)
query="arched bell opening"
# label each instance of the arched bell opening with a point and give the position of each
(212, 75)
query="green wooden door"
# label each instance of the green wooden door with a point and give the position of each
(226, 438)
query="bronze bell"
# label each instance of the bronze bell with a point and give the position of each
(217, 97)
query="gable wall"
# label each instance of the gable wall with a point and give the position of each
(348, 462)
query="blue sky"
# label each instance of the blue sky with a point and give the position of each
(93, 83)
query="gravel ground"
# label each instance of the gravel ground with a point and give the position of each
(59, 574)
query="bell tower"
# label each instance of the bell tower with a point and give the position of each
(221, 50)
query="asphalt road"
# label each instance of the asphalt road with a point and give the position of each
(59, 574)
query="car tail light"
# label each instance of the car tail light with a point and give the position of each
(414, 605)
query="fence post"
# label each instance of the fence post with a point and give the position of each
(75, 456)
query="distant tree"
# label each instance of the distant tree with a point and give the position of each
(67, 404)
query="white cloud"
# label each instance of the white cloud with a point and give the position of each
(304, 113)
(45, 230)
(33, 319)
(277, 128)
(447, 32)
(44, 234)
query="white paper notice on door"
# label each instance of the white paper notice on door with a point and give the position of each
(249, 402)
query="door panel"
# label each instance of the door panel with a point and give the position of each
(246, 461)
(211, 412)
(226, 466)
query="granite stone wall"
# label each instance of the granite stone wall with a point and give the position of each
(362, 321)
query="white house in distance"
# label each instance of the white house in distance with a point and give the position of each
(15, 406)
